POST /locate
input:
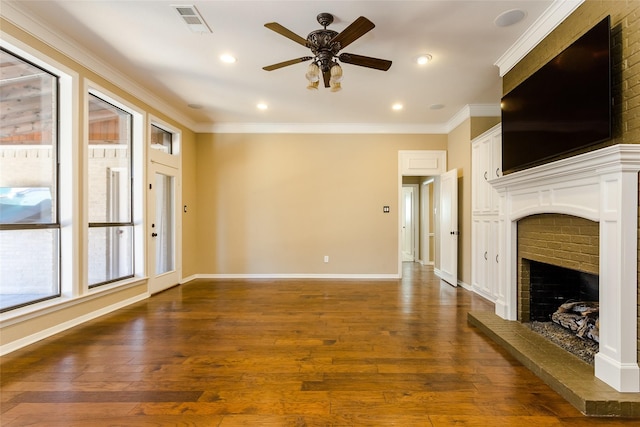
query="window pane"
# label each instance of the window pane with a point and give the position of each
(109, 163)
(28, 146)
(110, 253)
(164, 224)
(28, 266)
(161, 140)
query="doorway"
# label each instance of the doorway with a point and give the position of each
(435, 197)
(163, 202)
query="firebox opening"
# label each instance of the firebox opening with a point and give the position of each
(551, 286)
(563, 307)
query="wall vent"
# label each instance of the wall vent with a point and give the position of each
(192, 18)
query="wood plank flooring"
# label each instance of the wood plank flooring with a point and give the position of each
(283, 353)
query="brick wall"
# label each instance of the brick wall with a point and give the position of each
(625, 37)
(562, 240)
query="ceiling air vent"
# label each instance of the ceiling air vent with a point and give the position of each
(192, 18)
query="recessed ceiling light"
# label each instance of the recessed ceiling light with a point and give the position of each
(397, 106)
(262, 106)
(436, 106)
(424, 59)
(510, 17)
(227, 59)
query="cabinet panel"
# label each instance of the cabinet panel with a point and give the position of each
(486, 165)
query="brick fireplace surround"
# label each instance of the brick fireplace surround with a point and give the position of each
(561, 240)
(600, 186)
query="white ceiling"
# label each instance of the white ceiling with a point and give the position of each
(148, 42)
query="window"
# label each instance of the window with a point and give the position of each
(29, 213)
(110, 192)
(161, 140)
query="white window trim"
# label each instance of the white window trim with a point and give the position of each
(172, 160)
(68, 155)
(138, 144)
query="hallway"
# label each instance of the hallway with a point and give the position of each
(283, 353)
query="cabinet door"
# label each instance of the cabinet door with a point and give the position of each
(494, 168)
(493, 263)
(480, 238)
(481, 191)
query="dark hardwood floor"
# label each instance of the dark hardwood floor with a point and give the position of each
(283, 353)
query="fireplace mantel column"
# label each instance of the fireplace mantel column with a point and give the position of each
(616, 362)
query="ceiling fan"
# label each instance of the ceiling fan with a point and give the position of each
(325, 45)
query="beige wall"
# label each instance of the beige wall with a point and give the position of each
(190, 200)
(277, 204)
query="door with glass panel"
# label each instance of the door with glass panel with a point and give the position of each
(163, 227)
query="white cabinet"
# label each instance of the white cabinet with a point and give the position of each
(485, 257)
(486, 162)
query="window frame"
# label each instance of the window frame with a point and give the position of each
(55, 150)
(136, 182)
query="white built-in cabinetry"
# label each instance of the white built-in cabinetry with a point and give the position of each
(486, 164)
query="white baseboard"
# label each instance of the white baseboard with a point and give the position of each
(465, 285)
(292, 276)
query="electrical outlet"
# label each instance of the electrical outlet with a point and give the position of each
(326, 258)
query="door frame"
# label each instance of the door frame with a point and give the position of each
(159, 161)
(162, 281)
(425, 163)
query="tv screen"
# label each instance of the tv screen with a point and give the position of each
(563, 107)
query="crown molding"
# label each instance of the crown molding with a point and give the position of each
(468, 111)
(322, 128)
(472, 110)
(17, 14)
(545, 24)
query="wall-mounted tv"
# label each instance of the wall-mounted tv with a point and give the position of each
(563, 107)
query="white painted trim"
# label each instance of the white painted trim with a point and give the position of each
(472, 110)
(294, 276)
(45, 333)
(545, 24)
(189, 279)
(465, 285)
(602, 186)
(322, 128)
(468, 111)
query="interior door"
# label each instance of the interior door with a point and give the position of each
(408, 201)
(449, 226)
(163, 232)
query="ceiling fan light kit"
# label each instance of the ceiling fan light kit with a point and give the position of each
(325, 46)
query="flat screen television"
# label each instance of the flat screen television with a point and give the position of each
(562, 108)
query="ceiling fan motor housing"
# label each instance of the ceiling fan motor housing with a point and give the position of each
(319, 42)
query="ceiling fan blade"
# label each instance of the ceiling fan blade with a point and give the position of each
(286, 63)
(365, 61)
(353, 32)
(274, 26)
(326, 75)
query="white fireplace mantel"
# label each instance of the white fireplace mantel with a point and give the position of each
(602, 186)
